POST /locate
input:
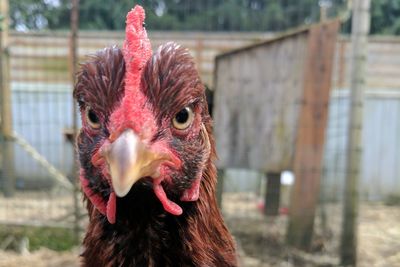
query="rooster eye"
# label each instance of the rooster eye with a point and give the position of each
(92, 118)
(183, 119)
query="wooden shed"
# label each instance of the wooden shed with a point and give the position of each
(271, 102)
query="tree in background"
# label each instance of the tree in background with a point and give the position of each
(205, 15)
(385, 17)
(33, 14)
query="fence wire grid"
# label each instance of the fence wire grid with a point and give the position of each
(42, 192)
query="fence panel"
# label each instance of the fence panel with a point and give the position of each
(42, 116)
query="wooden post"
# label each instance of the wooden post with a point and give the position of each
(311, 134)
(272, 195)
(322, 13)
(6, 108)
(73, 69)
(322, 203)
(199, 53)
(220, 187)
(359, 35)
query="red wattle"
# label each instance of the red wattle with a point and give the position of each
(111, 208)
(97, 201)
(168, 205)
(107, 209)
(192, 194)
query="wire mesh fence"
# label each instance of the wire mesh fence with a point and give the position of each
(289, 109)
(41, 105)
(42, 114)
(182, 15)
(379, 186)
(41, 192)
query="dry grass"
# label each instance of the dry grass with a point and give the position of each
(40, 258)
(37, 208)
(261, 240)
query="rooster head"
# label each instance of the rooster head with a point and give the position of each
(145, 125)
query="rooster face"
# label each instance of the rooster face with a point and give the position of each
(145, 125)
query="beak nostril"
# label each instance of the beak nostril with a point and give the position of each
(113, 136)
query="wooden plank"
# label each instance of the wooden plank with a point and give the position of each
(311, 134)
(384, 52)
(32, 56)
(38, 74)
(32, 46)
(152, 34)
(257, 98)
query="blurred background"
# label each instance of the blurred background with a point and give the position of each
(307, 123)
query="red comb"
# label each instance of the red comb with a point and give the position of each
(137, 48)
(136, 51)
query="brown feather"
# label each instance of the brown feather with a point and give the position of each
(144, 233)
(100, 80)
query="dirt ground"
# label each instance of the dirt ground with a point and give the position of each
(261, 240)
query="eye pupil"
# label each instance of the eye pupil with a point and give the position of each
(93, 117)
(183, 119)
(182, 116)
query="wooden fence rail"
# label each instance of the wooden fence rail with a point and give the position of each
(35, 55)
(39, 54)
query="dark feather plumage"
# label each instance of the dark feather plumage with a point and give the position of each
(144, 234)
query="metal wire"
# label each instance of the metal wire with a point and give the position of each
(54, 172)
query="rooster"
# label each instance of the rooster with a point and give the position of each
(146, 155)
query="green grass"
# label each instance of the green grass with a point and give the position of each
(392, 200)
(58, 239)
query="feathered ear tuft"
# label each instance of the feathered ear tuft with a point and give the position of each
(137, 48)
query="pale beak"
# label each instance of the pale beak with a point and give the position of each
(129, 160)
